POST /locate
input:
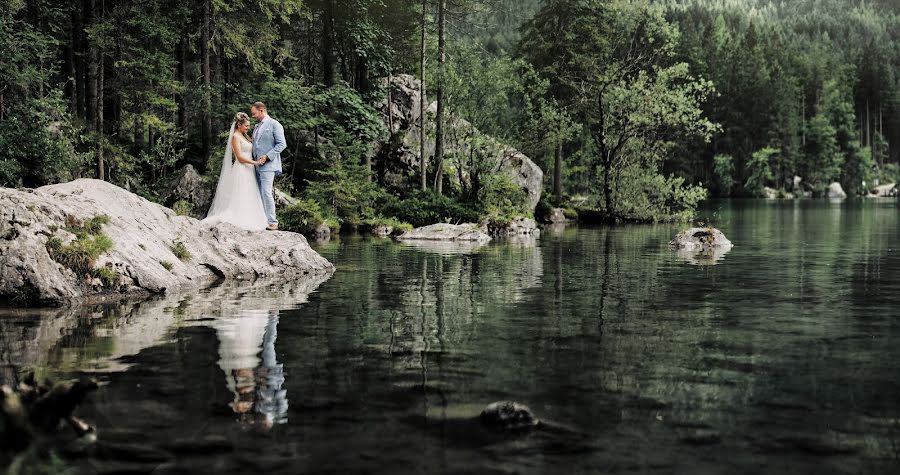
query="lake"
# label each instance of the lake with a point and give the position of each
(780, 356)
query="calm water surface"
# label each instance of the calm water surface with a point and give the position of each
(780, 356)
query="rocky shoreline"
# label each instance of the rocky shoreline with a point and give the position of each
(88, 238)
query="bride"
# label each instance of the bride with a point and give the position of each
(237, 200)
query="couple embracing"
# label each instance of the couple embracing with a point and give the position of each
(245, 192)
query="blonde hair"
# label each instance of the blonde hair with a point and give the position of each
(240, 118)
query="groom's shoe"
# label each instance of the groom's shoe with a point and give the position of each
(272, 227)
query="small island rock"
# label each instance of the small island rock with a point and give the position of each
(700, 239)
(446, 232)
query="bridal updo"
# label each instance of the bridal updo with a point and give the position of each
(241, 118)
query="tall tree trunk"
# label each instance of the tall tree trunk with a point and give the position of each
(90, 95)
(328, 44)
(439, 118)
(206, 126)
(183, 77)
(78, 43)
(423, 168)
(71, 81)
(557, 173)
(139, 143)
(101, 69)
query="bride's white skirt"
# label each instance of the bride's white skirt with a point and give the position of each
(243, 205)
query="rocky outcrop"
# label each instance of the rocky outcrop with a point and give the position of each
(557, 216)
(769, 193)
(700, 239)
(153, 249)
(446, 232)
(189, 186)
(887, 190)
(398, 161)
(835, 191)
(516, 227)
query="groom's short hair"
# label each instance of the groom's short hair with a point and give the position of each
(259, 105)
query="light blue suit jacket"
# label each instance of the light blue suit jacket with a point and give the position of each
(268, 140)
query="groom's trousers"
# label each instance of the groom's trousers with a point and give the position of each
(266, 182)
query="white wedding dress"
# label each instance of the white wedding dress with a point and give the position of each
(237, 200)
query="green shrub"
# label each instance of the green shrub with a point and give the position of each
(107, 275)
(304, 216)
(422, 208)
(182, 208)
(391, 222)
(166, 265)
(570, 213)
(723, 166)
(180, 250)
(90, 243)
(499, 195)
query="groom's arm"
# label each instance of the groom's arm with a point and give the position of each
(280, 142)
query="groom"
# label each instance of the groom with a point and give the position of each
(268, 143)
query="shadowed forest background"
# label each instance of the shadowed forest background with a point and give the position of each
(638, 109)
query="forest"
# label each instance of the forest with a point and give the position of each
(634, 109)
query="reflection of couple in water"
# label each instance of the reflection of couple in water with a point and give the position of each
(254, 378)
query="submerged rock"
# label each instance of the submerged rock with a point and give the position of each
(835, 191)
(887, 190)
(508, 415)
(153, 250)
(446, 232)
(700, 239)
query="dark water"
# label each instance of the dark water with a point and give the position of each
(783, 357)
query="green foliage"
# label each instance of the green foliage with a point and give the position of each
(167, 265)
(89, 244)
(394, 223)
(760, 170)
(725, 173)
(651, 197)
(304, 216)
(422, 208)
(182, 208)
(108, 276)
(499, 195)
(180, 250)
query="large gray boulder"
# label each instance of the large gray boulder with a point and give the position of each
(399, 154)
(516, 227)
(189, 186)
(142, 258)
(835, 191)
(446, 232)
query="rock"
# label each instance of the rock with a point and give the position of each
(887, 190)
(557, 216)
(283, 200)
(188, 185)
(517, 227)
(382, 230)
(700, 239)
(143, 234)
(508, 415)
(446, 232)
(770, 193)
(835, 191)
(797, 190)
(398, 155)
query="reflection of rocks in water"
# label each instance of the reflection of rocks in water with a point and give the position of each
(445, 247)
(101, 338)
(705, 257)
(701, 246)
